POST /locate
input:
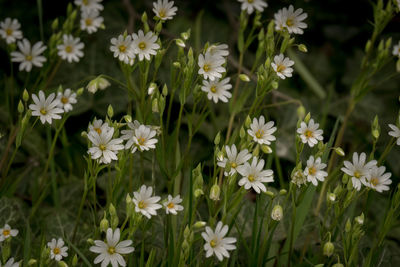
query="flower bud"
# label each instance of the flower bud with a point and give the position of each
(217, 139)
(275, 85)
(144, 17)
(302, 48)
(154, 106)
(338, 265)
(25, 95)
(242, 133)
(114, 222)
(112, 210)
(244, 77)
(90, 241)
(80, 91)
(54, 24)
(32, 262)
(186, 35)
(339, 151)
(198, 193)
(152, 87)
(104, 224)
(360, 219)
(199, 224)
(128, 118)
(256, 151)
(186, 232)
(158, 27)
(277, 213)
(165, 90)
(307, 118)
(20, 107)
(330, 197)
(215, 192)
(266, 149)
(62, 264)
(177, 65)
(247, 122)
(347, 227)
(180, 43)
(283, 192)
(75, 260)
(110, 111)
(301, 112)
(375, 128)
(329, 248)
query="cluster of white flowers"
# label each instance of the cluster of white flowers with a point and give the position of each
(127, 47)
(10, 30)
(50, 108)
(217, 243)
(91, 20)
(290, 20)
(367, 173)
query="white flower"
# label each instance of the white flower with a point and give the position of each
(97, 83)
(99, 127)
(70, 49)
(67, 98)
(262, 132)
(87, 5)
(46, 108)
(29, 56)
(164, 10)
(282, 66)
(377, 179)
(251, 5)
(218, 50)
(172, 204)
(122, 48)
(211, 67)
(91, 21)
(395, 133)
(217, 243)
(145, 203)
(277, 213)
(104, 148)
(314, 170)
(359, 169)
(6, 232)
(9, 30)
(10, 263)
(254, 176)
(234, 160)
(57, 249)
(217, 89)
(144, 45)
(111, 250)
(310, 133)
(298, 178)
(140, 137)
(291, 20)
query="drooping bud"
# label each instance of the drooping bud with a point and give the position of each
(360, 219)
(277, 213)
(303, 48)
(328, 249)
(244, 77)
(104, 223)
(151, 88)
(215, 192)
(331, 197)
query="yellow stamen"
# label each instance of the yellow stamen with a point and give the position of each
(213, 89)
(122, 48)
(374, 181)
(9, 31)
(141, 141)
(6, 232)
(308, 133)
(162, 13)
(88, 22)
(206, 67)
(68, 49)
(250, 1)
(233, 165)
(64, 100)
(280, 68)
(312, 170)
(28, 58)
(142, 205)
(357, 174)
(102, 147)
(56, 251)
(111, 250)
(142, 45)
(213, 243)
(290, 22)
(251, 178)
(43, 111)
(85, 2)
(171, 205)
(259, 133)
(98, 130)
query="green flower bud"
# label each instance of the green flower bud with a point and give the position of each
(152, 88)
(215, 192)
(80, 91)
(110, 111)
(217, 139)
(180, 43)
(302, 48)
(339, 151)
(144, 17)
(367, 46)
(128, 118)
(75, 260)
(154, 106)
(177, 65)
(301, 112)
(307, 118)
(375, 128)
(32, 262)
(338, 265)
(244, 77)
(158, 27)
(20, 107)
(186, 35)
(266, 149)
(283, 192)
(165, 90)
(242, 133)
(62, 264)
(104, 224)
(186, 232)
(347, 227)
(275, 85)
(114, 222)
(199, 224)
(198, 193)
(330, 197)
(112, 210)
(270, 193)
(360, 219)
(277, 213)
(90, 241)
(256, 151)
(345, 179)
(328, 249)
(25, 95)
(54, 24)
(247, 122)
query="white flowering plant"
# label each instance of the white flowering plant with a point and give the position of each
(138, 136)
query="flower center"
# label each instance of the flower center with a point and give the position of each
(213, 89)
(28, 58)
(374, 181)
(6, 232)
(213, 243)
(290, 22)
(142, 45)
(357, 174)
(233, 165)
(85, 2)
(141, 141)
(250, 1)
(98, 130)
(162, 13)
(9, 31)
(102, 147)
(43, 111)
(56, 251)
(122, 48)
(88, 22)
(171, 205)
(111, 250)
(259, 133)
(68, 49)
(280, 68)
(312, 170)
(251, 178)
(308, 133)
(142, 205)
(206, 67)
(64, 100)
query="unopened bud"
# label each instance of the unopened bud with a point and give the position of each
(144, 17)
(244, 77)
(186, 232)
(128, 118)
(62, 264)
(215, 192)
(360, 219)
(266, 149)
(90, 241)
(331, 197)
(154, 106)
(242, 133)
(283, 192)
(186, 35)
(338, 265)
(75, 260)
(177, 65)
(328, 249)
(302, 48)
(54, 24)
(151, 88)
(112, 210)
(165, 90)
(180, 43)
(247, 122)
(307, 118)
(277, 213)
(110, 111)
(20, 107)
(275, 85)
(198, 193)
(31, 262)
(347, 227)
(104, 224)
(339, 151)
(80, 91)
(217, 139)
(270, 193)
(199, 224)
(25, 95)
(301, 112)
